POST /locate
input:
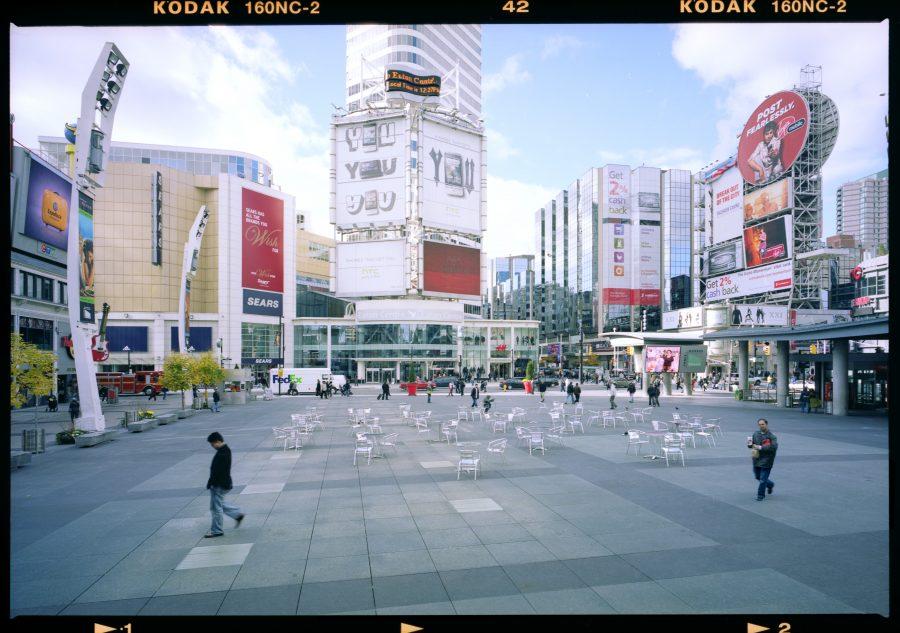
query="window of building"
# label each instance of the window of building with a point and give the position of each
(36, 287)
(260, 340)
(63, 296)
(318, 251)
(38, 332)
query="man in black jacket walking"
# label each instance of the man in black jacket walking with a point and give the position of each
(219, 484)
(763, 447)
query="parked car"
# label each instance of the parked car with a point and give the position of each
(445, 381)
(512, 383)
(549, 381)
(420, 384)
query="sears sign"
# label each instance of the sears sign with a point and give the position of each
(260, 302)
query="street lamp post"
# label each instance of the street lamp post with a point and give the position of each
(99, 101)
(127, 350)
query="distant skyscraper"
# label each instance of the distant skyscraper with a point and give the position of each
(862, 210)
(429, 48)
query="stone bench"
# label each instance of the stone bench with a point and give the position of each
(92, 439)
(142, 425)
(167, 418)
(186, 413)
(19, 458)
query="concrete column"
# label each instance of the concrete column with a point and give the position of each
(360, 370)
(639, 369)
(328, 347)
(781, 372)
(840, 388)
(398, 371)
(688, 387)
(667, 384)
(743, 366)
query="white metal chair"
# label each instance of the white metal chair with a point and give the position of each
(282, 435)
(522, 435)
(499, 424)
(535, 441)
(608, 419)
(674, 446)
(704, 434)
(449, 429)
(555, 434)
(390, 441)
(712, 424)
(363, 447)
(468, 462)
(498, 447)
(422, 427)
(476, 414)
(659, 426)
(636, 439)
(574, 421)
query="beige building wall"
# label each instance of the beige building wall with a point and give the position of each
(310, 249)
(125, 277)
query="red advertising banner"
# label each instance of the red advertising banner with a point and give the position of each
(617, 296)
(451, 269)
(262, 227)
(773, 137)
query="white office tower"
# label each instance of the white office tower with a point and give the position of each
(452, 51)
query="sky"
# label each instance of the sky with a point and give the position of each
(558, 99)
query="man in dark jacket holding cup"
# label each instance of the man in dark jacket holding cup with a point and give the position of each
(219, 484)
(763, 446)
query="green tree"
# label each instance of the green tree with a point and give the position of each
(177, 374)
(30, 371)
(207, 372)
(529, 370)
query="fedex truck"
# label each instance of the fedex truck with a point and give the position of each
(303, 379)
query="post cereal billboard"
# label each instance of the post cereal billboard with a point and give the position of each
(777, 197)
(262, 229)
(768, 242)
(451, 269)
(773, 137)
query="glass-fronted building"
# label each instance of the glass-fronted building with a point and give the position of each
(677, 260)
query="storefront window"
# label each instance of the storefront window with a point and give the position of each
(260, 340)
(310, 345)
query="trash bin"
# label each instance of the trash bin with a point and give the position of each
(33, 440)
(112, 396)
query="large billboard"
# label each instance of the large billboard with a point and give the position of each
(86, 257)
(451, 178)
(727, 199)
(750, 282)
(616, 235)
(773, 137)
(685, 317)
(662, 358)
(451, 269)
(759, 315)
(772, 199)
(369, 269)
(768, 242)
(649, 266)
(370, 185)
(47, 207)
(262, 229)
(725, 258)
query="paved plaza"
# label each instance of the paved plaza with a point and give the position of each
(117, 529)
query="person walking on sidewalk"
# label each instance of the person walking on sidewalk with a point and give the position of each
(74, 410)
(612, 395)
(219, 484)
(763, 446)
(570, 392)
(542, 388)
(577, 392)
(631, 390)
(319, 389)
(474, 394)
(152, 394)
(385, 390)
(215, 400)
(430, 389)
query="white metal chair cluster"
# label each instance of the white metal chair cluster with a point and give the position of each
(674, 436)
(300, 432)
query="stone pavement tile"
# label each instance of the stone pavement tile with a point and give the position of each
(469, 504)
(568, 601)
(339, 528)
(376, 501)
(335, 597)
(142, 560)
(262, 488)
(693, 561)
(42, 610)
(286, 532)
(574, 547)
(543, 576)
(122, 584)
(396, 542)
(465, 557)
(387, 512)
(340, 514)
(430, 608)
(112, 607)
(64, 566)
(440, 522)
(502, 533)
(121, 543)
(185, 604)
(328, 546)
(379, 488)
(605, 570)
(755, 591)
(498, 605)
(401, 563)
(49, 591)
(453, 537)
(531, 515)
(411, 589)
(519, 552)
(290, 518)
(423, 496)
(496, 517)
(270, 573)
(203, 580)
(427, 508)
(643, 598)
(337, 568)
(478, 583)
(552, 529)
(215, 556)
(271, 600)
(385, 526)
(652, 540)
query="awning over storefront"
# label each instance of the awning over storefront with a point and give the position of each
(639, 339)
(871, 328)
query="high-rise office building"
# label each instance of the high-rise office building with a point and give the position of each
(511, 293)
(427, 49)
(862, 210)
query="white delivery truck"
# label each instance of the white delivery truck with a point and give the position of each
(302, 379)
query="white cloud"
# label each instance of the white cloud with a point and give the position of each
(751, 61)
(556, 44)
(213, 87)
(663, 157)
(510, 74)
(499, 146)
(607, 156)
(511, 206)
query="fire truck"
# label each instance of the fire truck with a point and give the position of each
(143, 382)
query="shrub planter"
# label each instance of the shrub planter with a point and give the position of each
(411, 390)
